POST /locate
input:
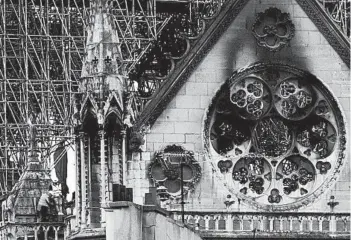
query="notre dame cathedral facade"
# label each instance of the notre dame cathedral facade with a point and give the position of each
(232, 124)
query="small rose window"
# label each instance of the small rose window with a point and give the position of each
(276, 136)
(167, 173)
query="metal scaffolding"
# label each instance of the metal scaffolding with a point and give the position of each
(339, 12)
(42, 47)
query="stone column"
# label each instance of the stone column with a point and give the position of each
(332, 223)
(88, 182)
(78, 195)
(124, 154)
(83, 183)
(229, 222)
(103, 177)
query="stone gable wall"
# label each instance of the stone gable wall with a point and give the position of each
(182, 121)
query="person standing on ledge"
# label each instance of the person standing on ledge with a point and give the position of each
(57, 195)
(46, 201)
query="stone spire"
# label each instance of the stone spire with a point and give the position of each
(23, 198)
(100, 107)
(101, 72)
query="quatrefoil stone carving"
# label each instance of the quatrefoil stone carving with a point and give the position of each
(273, 29)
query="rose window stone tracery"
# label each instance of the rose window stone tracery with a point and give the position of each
(276, 135)
(170, 167)
(251, 98)
(272, 137)
(252, 173)
(294, 99)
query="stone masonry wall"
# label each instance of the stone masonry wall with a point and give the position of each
(181, 123)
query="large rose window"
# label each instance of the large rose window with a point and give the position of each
(276, 136)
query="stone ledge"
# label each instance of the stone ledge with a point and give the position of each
(157, 209)
(202, 212)
(119, 204)
(270, 235)
(96, 234)
(144, 208)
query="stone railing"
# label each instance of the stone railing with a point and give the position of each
(42, 230)
(293, 224)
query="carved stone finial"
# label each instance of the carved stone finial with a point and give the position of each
(332, 204)
(33, 134)
(32, 142)
(229, 201)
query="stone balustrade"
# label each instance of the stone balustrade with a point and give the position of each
(253, 223)
(35, 231)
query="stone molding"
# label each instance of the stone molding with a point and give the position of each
(328, 28)
(202, 46)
